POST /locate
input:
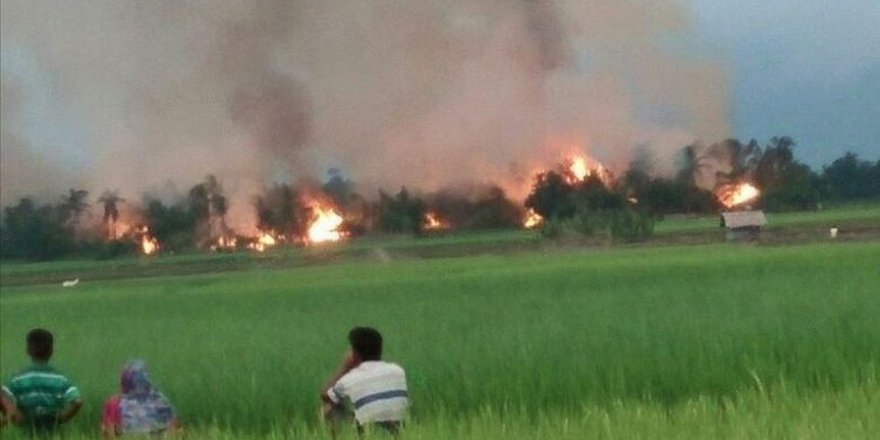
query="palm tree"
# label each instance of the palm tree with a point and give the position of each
(743, 159)
(220, 206)
(777, 159)
(218, 203)
(74, 205)
(110, 201)
(693, 164)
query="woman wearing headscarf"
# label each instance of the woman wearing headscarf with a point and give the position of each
(140, 409)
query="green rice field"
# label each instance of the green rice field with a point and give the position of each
(713, 341)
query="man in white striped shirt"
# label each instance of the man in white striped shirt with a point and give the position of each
(376, 390)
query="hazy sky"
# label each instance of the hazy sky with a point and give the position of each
(809, 69)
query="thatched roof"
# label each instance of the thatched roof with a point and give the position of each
(743, 219)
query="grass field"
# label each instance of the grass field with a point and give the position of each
(830, 217)
(720, 341)
(857, 223)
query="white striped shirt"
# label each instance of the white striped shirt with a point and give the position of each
(377, 391)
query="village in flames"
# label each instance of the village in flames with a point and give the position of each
(325, 221)
(573, 195)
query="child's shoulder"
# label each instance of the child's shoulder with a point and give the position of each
(45, 371)
(35, 375)
(394, 366)
(29, 370)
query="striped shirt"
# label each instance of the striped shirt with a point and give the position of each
(377, 391)
(40, 392)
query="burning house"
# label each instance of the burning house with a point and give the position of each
(434, 223)
(743, 225)
(740, 221)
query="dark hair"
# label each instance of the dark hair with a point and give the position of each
(40, 343)
(366, 343)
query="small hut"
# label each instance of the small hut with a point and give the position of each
(743, 225)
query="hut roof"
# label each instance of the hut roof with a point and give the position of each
(743, 219)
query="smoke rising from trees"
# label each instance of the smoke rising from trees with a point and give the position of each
(422, 94)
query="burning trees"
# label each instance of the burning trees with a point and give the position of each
(578, 183)
(494, 210)
(279, 212)
(401, 213)
(110, 201)
(580, 168)
(768, 176)
(34, 231)
(148, 243)
(579, 194)
(533, 219)
(551, 196)
(735, 195)
(326, 225)
(297, 215)
(173, 225)
(433, 222)
(586, 201)
(471, 208)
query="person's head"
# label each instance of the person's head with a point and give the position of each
(40, 344)
(366, 343)
(135, 379)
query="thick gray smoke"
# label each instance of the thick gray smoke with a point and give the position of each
(22, 169)
(421, 93)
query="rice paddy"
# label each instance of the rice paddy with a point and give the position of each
(716, 341)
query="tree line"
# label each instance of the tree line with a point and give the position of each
(627, 207)
(72, 226)
(624, 208)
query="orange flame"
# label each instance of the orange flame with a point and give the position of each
(264, 241)
(325, 226)
(580, 168)
(433, 222)
(533, 219)
(149, 244)
(224, 243)
(119, 230)
(737, 194)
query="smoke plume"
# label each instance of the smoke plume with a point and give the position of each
(416, 93)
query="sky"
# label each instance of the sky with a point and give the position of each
(809, 69)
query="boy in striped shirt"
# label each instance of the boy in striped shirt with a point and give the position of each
(376, 390)
(39, 397)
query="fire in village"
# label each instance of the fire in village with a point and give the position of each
(439, 219)
(311, 214)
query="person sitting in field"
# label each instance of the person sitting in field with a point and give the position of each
(40, 398)
(140, 409)
(376, 390)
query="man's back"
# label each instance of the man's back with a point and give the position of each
(377, 391)
(40, 392)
